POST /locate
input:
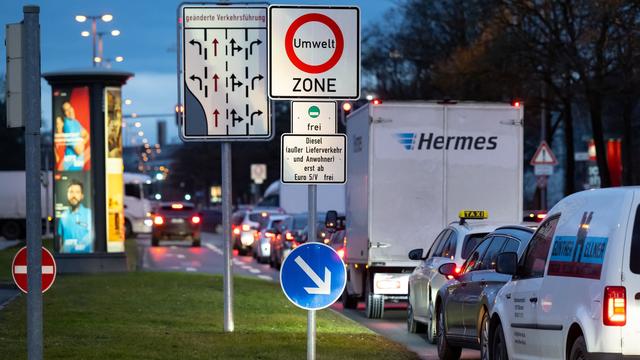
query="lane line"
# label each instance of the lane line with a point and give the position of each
(254, 271)
(265, 277)
(191, 269)
(214, 248)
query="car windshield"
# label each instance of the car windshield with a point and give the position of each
(261, 218)
(299, 222)
(470, 242)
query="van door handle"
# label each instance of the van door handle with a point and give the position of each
(508, 296)
(638, 296)
(533, 300)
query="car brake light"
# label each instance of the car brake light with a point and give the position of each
(158, 220)
(457, 270)
(236, 231)
(341, 253)
(269, 234)
(615, 306)
(195, 219)
(246, 227)
(541, 216)
(289, 236)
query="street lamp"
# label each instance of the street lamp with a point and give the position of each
(94, 30)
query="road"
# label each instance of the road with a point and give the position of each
(180, 256)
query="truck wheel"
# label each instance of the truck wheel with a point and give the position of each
(413, 326)
(349, 301)
(11, 230)
(374, 304)
(579, 349)
(128, 229)
(445, 350)
(155, 241)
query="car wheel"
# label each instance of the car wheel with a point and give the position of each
(11, 230)
(349, 301)
(128, 229)
(445, 350)
(374, 304)
(499, 346)
(155, 241)
(195, 243)
(413, 326)
(579, 349)
(484, 337)
(432, 328)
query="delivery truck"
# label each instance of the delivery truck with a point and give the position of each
(412, 167)
(13, 203)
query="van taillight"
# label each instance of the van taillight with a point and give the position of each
(615, 306)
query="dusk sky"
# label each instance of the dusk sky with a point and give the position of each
(147, 43)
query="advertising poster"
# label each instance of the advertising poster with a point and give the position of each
(114, 170)
(72, 172)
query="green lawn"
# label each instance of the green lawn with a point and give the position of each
(142, 315)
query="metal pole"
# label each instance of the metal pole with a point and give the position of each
(311, 315)
(47, 184)
(31, 111)
(94, 30)
(543, 137)
(226, 236)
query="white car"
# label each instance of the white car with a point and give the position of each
(454, 244)
(576, 292)
(262, 244)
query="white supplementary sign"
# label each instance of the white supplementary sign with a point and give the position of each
(544, 155)
(258, 173)
(313, 159)
(314, 52)
(224, 84)
(313, 117)
(543, 170)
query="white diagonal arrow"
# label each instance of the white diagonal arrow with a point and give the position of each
(324, 287)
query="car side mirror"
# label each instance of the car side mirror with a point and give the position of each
(507, 263)
(331, 219)
(449, 270)
(416, 254)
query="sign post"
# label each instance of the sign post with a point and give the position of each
(223, 91)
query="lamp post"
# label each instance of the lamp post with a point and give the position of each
(94, 31)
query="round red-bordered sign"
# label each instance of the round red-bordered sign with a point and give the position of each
(293, 57)
(19, 269)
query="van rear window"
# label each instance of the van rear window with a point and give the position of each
(635, 245)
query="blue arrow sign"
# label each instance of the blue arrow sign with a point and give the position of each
(313, 276)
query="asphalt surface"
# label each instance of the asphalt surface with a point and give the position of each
(180, 256)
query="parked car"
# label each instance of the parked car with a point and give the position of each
(464, 303)
(246, 223)
(453, 244)
(262, 244)
(575, 293)
(176, 220)
(286, 237)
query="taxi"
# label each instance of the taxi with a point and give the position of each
(575, 294)
(454, 244)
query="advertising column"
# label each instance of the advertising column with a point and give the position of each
(114, 170)
(72, 172)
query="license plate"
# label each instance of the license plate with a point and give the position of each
(177, 221)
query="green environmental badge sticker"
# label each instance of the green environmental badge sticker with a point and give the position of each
(314, 111)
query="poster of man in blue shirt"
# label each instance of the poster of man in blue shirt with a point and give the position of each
(74, 224)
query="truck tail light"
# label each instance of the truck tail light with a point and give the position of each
(195, 219)
(158, 220)
(615, 306)
(289, 236)
(341, 253)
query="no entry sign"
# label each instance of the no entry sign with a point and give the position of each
(19, 269)
(314, 52)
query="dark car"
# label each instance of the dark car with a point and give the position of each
(286, 237)
(174, 221)
(463, 304)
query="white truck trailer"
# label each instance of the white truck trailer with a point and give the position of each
(412, 166)
(13, 202)
(294, 199)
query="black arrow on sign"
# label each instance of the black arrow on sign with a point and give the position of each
(193, 42)
(234, 48)
(255, 113)
(257, 42)
(235, 118)
(215, 82)
(193, 77)
(259, 77)
(234, 84)
(215, 114)
(215, 47)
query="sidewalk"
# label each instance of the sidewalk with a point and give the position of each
(5, 244)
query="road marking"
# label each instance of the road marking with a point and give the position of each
(22, 269)
(191, 269)
(214, 248)
(254, 271)
(265, 277)
(180, 256)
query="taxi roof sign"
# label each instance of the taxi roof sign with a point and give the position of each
(473, 214)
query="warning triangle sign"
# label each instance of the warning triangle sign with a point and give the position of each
(544, 155)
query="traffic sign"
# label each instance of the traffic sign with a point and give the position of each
(543, 170)
(224, 69)
(313, 159)
(314, 52)
(313, 276)
(258, 173)
(544, 155)
(19, 269)
(313, 117)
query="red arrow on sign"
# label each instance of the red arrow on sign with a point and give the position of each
(544, 156)
(19, 269)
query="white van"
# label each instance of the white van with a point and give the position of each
(576, 292)
(137, 208)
